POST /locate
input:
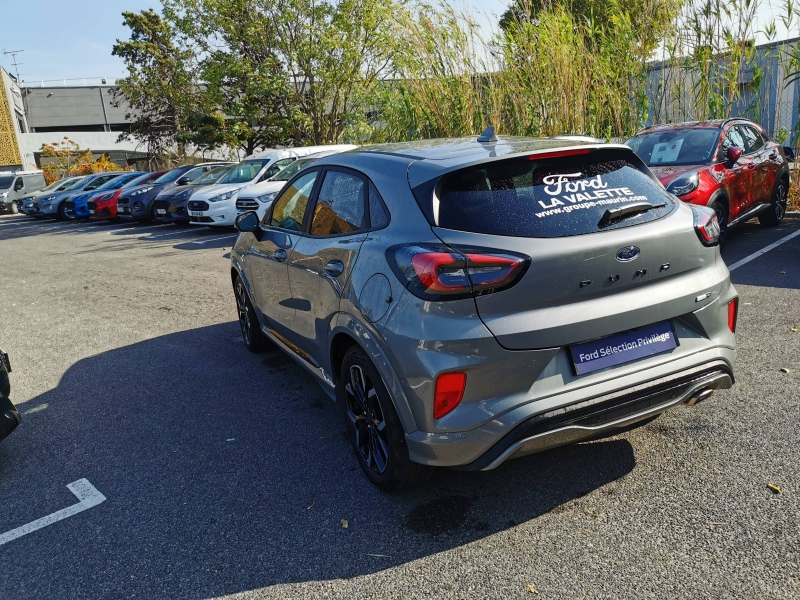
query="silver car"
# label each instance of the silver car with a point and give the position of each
(471, 301)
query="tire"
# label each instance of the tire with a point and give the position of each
(373, 427)
(722, 218)
(153, 216)
(61, 213)
(773, 216)
(253, 337)
(14, 208)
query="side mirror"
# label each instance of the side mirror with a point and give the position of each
(247, 222)
(733, 154)
(183, 181)
(19, 185)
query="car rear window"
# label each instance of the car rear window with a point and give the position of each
(550, 197)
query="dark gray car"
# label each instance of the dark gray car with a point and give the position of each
(137, 202)
(170, 204)
(470, 301)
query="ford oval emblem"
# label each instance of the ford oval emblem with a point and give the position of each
(627, 254)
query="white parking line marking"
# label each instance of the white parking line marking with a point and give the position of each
(764, 250)
(139, 230)
(88, 497)
(150, 236)
(224, 237)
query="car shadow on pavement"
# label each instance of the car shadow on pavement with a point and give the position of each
(226, 471)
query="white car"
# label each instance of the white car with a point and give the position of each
(216, 204)
(258, 197)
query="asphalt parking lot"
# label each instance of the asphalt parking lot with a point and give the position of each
(226, 473)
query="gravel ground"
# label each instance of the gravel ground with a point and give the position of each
(226, 473)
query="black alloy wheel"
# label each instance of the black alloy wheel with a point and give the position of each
(61, 213)
(373, 426)
(773, 216)
(366, 420)
(252, 335)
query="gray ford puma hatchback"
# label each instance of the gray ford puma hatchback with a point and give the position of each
(469, 301)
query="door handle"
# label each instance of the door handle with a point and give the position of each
(773, 156)
(279, 255)
(334, 268)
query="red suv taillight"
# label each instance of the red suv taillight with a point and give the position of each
(448, 393)
(438, 272)
(733, 314)
(706, 225)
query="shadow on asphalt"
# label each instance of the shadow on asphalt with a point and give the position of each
(227, 471)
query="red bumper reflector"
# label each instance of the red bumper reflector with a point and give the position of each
(448, 394)
(733, 313)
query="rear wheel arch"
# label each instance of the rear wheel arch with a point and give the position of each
(346, 332)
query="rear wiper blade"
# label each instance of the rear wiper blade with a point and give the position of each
(612, 214)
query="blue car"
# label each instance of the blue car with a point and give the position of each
(55, 205)
(76, 207)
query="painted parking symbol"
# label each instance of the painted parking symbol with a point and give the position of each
(88, 497)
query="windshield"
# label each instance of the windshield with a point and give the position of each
(211, 177)
(5, 182)
(118, 182)
(61, 184)
(245, 171)
(171, 176)
(141, 178)
(676, 146)
(287, 173)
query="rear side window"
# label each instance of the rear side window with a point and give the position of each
(340, 205)
(548, 198)
(753, 137)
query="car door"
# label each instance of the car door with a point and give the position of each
(323, 258)
(737, 174)
(266, 259)
(761, 163)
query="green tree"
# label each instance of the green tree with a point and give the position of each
(160, 87)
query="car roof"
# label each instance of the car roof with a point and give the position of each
(427, 159)
(709, 124)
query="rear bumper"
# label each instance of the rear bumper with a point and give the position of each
(604, 415)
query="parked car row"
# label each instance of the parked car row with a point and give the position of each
(205, 193)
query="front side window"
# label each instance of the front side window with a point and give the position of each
(753, 138)
(732, 138)
(276, 168)
(675, 146)
(340, 205)
(291, 206)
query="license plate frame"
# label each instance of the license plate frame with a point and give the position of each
(161, 211)
(196, 213)
(623, 348)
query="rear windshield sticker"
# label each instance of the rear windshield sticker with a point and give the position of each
(666, 152)
(584, 193)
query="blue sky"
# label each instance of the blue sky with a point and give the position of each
(61, 40)
(74, 39)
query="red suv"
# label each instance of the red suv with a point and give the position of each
(729, 165)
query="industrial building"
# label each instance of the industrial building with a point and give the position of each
(89, 114)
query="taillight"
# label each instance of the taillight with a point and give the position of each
(449, 391)
(706, 225)
(733, 313)
(438, 272)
